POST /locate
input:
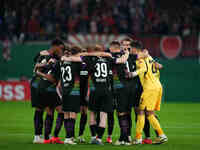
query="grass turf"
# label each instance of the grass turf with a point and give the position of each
(180, 122)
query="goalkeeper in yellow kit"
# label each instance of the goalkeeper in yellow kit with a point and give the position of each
(150, 99)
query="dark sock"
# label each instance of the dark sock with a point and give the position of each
(37, 122)
(59, 122)
(41, 122)
(120, 138)
(155, 130)
(66, 124)
(73, 121)
(83, 122)
(48, 126)
(98, 118)
(110, 122)
(147, 128)
(69, 127)
(129, 123)
(93, 130)
(100, 132)
(123, 123)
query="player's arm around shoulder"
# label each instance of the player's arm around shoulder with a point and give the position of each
(141, 66)
(158, 65)
(123, 58)
(71, 58)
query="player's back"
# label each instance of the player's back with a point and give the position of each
(150, 80)
(99, 68)
(69, 72)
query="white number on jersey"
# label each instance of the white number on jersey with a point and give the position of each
(101, 70)
(66, 73)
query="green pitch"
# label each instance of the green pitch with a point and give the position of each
(180, 122)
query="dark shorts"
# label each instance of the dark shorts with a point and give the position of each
(50, 99)
(138, 94)
(83, 102)
(101, 101)
(35, 98)
(71, 103)
(125, 99)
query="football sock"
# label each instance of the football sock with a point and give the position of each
(155, 124)
(59, 122)
(159, 121)
(69, 127)
(147, 128)
(140, 126)
(123, 123)
(93, 130)
(38, 122)
(129, 123)
(48, 126)
(66, 124)
(83, 122)
(41, 122)
(98, 118)
(100, 132)
(110, 123)
(73, 121)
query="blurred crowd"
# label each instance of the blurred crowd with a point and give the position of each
(43, 19)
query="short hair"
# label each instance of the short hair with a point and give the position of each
(98, 47)
(75, 50)
(57, 42)
(127, 39)
(137, 44)
(115, 43)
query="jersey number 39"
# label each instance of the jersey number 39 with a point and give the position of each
(101, 70)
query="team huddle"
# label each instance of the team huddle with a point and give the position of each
(122, 78)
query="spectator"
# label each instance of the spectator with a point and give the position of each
(6, 49)
(33, 27)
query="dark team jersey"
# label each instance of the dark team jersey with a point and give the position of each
(84, 76)
(36, 79)
(54, 71)
(131, 67)
(131, 63)
(119, 76)
(99, 69)
(70, 72)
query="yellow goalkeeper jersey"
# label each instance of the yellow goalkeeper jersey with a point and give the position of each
(149, 76)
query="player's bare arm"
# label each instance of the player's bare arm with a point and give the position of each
(44, 52)
(158, 65)
(141, 69)
(46, 76)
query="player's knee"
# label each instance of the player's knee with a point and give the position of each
(122, 113)
(59, 109)
(73, 115)
(49, 111)
(92, 118)
(83, 110)
(149, 113)
(103, 119)
(140, 112)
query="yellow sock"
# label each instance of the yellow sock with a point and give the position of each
(140, 126)
(155, 124)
